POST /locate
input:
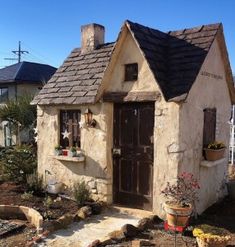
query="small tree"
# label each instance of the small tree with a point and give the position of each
(18, 162)
(20, 113)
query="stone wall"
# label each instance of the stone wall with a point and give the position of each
(96, 171)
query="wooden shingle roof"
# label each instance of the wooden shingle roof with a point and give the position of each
(78, 79)
(175, 59)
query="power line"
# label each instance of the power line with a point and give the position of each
(18, 52)
(41, 56)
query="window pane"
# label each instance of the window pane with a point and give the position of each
(69, 121)
(3, 94)
(131, 72)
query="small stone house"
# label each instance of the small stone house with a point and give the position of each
(141, 110)
(17, 80)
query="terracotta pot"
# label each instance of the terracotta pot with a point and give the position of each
(65, 152)
(214, 154)
(176, 215)
(202, 243)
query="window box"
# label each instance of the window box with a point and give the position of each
(78, 159)
(210, 164)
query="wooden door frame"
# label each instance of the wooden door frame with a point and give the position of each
(115, 104)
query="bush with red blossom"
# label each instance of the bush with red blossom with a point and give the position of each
(184, 191)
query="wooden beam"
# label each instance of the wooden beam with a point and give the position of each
(130, 96)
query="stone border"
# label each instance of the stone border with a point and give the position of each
(22, 212)
(64, 221)
(128, 231)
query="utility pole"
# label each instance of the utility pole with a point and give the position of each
(18, 52)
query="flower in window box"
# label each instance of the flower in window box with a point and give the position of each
(215, 151)
(73, 152)
(58, 150)
(216, 145)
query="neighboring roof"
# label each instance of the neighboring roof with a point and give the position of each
(175, 59)
(78, 79)
(26, 72)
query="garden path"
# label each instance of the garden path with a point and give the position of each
(83, 233)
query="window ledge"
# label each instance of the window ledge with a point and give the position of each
(70, 159)
(209, 164)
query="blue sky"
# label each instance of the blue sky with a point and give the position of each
(50, 29)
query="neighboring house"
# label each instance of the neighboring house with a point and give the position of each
(17, 80)
(157, 99)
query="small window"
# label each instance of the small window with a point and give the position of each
(69, 123)
(3, 94)
(209, 126)
(131, 72)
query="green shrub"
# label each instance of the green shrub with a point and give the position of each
(47, 202)
(81, 192)
(18, 162)
(27, 195)
(34, 182)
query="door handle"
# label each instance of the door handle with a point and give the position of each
(116, 151)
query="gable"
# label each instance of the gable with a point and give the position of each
(175, 58)
(127, 53)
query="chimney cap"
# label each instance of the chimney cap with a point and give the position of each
(92, 37)
(92, 25)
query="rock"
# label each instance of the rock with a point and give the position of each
(117, 235)
(155, 219)
(95, 243)
(130, 230)
(96, 207)
(92, 184)
(94, 191)
(65, 220)
(140, 243)
(84, 212)
(145, 223)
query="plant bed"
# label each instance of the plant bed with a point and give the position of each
(11, 194)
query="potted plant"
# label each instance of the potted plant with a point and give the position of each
(211, 236)
(180, 198)
(214, 151)
(73, 152)
(58, 150)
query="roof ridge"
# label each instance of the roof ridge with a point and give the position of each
(18, 70)
(199, 27)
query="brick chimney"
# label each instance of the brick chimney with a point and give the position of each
(92, 36)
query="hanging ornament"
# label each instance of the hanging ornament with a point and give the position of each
(36, 138)
(35, 130)
(81, 124)
(66, 134)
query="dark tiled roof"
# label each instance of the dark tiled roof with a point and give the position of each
(78, 79)
(26, 72)
(175, 58)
